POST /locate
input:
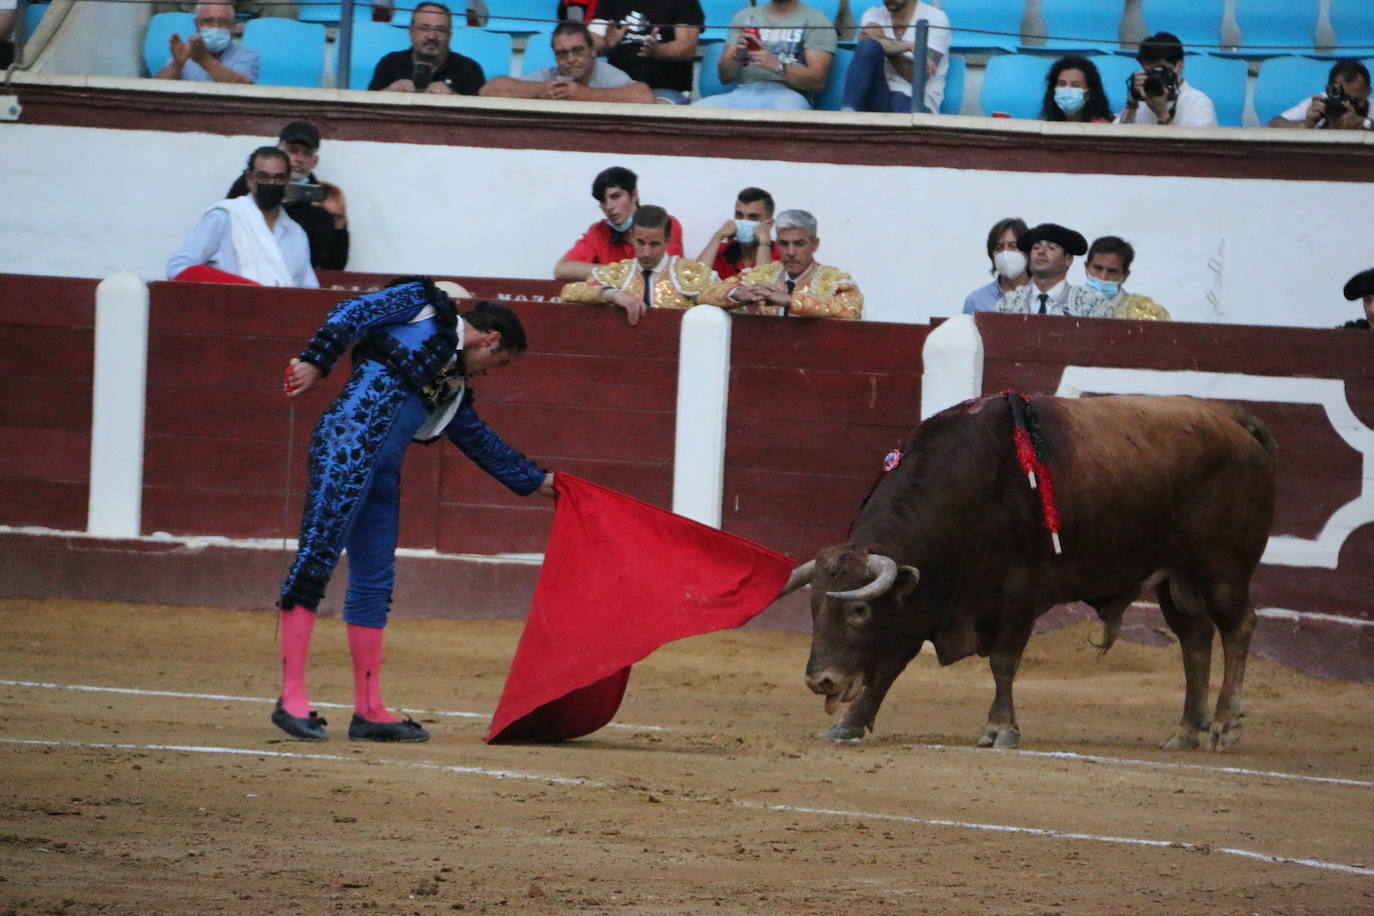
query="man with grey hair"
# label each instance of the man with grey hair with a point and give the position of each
(211, 55)
(796, 284)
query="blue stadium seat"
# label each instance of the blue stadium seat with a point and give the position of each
(1197, 23)
(1285, 81)
(828, 99)
(1014, 84)
(291, 52)
(1115, 69)
(954, 86)
(33, 15)
(331, 13)
(1223, 79)
(161, 27)
(1353, 21)
(371, 42)
(989, 16)
(708, 77)
(1269, 29)
(1075, 25)
(521, 17)
(538, 52)
(490, 49)
(718, 15)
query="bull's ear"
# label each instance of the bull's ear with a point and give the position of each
(908, 577)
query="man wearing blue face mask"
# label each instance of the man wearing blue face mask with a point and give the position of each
(745, 241)
(211, 55)
(1107, 267)
(607, 241)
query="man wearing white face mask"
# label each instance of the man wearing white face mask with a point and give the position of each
(745, 241)
(211, 55)
(1107, 267)
(1008, 264)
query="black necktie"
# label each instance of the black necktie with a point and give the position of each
(1044, 298)
(791, 285)
(648, 285)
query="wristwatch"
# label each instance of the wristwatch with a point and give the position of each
(1368, 124)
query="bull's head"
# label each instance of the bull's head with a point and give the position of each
(857, 627)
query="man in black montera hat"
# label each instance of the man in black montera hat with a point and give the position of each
(1050, 249)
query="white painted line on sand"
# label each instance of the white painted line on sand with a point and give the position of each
(742, 803)
(1160, 764)
(1064, 835)
(292, 755)
(177, 694)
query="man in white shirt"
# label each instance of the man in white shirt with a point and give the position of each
(1343, 106)
(250, 237)
(879, 77)
(1051, 249)
(1159, 84)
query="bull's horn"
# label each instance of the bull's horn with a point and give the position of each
(802, 575)
(884, 572)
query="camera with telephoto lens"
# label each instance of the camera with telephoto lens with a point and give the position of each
(422, 75)
(1159, 81)
(637, 28)
(1338, 101)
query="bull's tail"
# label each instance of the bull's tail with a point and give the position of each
(1254, 426)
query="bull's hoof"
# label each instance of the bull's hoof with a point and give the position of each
(1184, 739)
(842, 732)
(1002, 737)
(1223, 737)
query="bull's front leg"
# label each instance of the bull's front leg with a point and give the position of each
(1001, 730)
(858, 717)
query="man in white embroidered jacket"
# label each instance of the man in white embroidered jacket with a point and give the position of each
(249, 238)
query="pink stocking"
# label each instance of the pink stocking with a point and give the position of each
(365, 644)
(297, 623)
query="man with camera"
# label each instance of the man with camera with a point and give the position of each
(429, 65)
(577, 76)
(317, 206)
(249, 238)
(1159, 85)
(654, 41)
(1344, 106)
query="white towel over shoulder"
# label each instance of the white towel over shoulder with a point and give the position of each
(259, 255)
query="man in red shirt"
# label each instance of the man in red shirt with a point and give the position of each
(607, 241)
(745, 241)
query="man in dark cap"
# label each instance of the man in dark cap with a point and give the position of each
(1361, 286)
(1050, 249)
(318, 206)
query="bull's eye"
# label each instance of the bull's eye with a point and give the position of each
(859, 613)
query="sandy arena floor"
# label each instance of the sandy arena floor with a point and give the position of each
(167, 790)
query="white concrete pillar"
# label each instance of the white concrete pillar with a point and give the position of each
(952, 365)
(118, 402)
(703, 394)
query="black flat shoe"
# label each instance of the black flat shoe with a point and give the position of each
(310, 728)
(409, 731)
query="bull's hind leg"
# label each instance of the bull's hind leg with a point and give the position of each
(1235, 618)
(1184, 614)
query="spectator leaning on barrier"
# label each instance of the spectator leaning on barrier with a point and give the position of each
(1052, 249)
(653, 278)
(797, 284)
(317, 206)
(211, 55)
(654, 41)
(1344, 105)
(1107, 266)
(745, 241)
(606, 241)
(1361, 286)
(879, 77)
(1073, 92)
(578, 76)
(1159, 84)
(781, 51)
(251, 237)
(429, 65)
(1008, 266)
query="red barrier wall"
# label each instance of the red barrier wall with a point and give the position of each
(47, 326)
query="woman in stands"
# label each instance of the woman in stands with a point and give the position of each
(1073, 92)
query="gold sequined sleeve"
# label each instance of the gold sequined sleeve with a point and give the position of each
(602, 276)
(845, 302)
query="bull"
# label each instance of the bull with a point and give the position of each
(1173, 494)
